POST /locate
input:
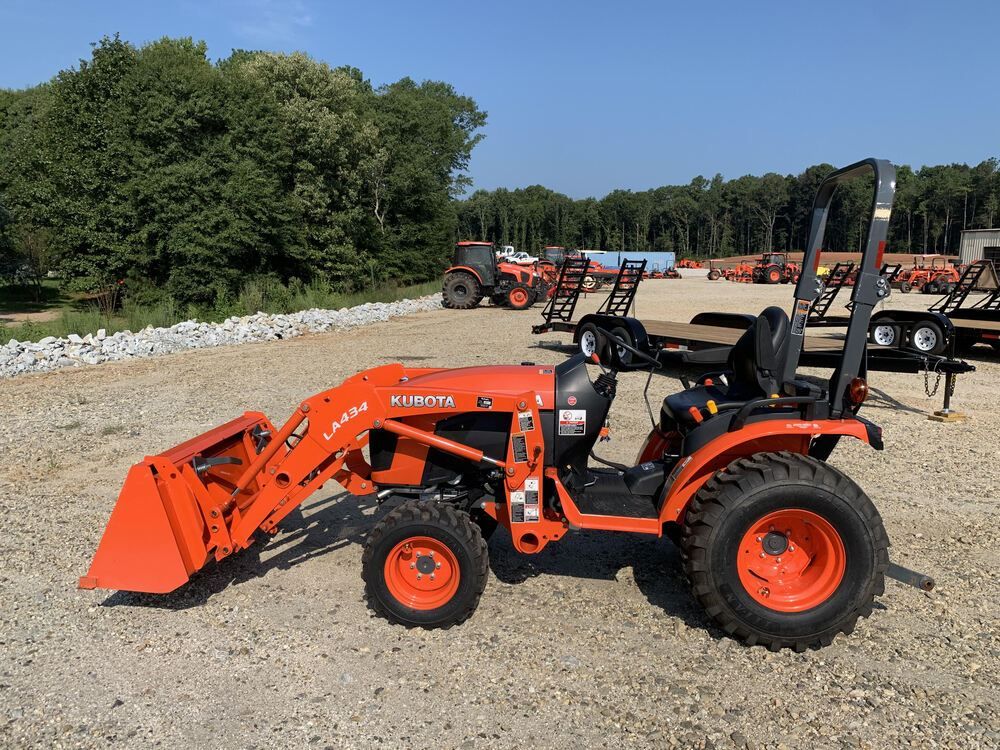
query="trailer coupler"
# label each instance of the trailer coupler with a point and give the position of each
(910, 577)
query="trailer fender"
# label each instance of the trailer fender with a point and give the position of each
(793, 434)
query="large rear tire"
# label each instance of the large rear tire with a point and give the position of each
(784, 551)
(460, 291)
(425, 565)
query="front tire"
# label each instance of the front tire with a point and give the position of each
(784, 551)
(425, 565)
(520, 297)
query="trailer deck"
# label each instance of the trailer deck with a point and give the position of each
(710, 336)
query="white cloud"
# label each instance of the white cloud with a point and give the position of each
(272, 20)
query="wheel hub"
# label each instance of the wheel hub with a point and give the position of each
(791, 560)
(775, 543)
(422, 573)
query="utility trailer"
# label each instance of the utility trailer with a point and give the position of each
(708, 339)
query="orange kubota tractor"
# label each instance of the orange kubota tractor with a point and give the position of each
(475, 273)
(781, 548)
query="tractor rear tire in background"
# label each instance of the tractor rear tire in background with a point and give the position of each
(931, 287)
(784, 551)
(905, 287)
(714, 275)
(425, 565)
(460, 291)
(927, 338)
(520, 297)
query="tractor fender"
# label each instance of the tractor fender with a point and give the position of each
(793, 434)
(609, 322)
(465, 269)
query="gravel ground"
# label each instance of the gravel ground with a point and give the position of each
(595, 642)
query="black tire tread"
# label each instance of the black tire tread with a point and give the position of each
(473, 299)
(726, 489)
(436, 514)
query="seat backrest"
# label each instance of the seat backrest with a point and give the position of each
(759, 355)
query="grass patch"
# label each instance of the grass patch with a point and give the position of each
(256, 296)
(26, 298)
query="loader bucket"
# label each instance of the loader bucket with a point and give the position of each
(175, 510)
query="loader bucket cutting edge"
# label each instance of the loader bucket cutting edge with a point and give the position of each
(158, 534)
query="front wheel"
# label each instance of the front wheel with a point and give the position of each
(884, 332)
(784, 551)
(425, 565)
(520, 297)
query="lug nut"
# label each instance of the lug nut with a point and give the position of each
(432, 576)
(791, 547)
(760, 539)
(437, 565)
(431, 553)
(762, 555)
(418, 554)
(419, 576)
(413, 565)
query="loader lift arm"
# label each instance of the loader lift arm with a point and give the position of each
(171, 516)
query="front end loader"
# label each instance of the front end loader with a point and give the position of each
(781, 548)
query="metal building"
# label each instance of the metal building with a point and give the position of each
(979, 244)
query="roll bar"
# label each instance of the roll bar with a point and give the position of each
(869, 288)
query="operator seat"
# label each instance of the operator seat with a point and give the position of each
(755, 366)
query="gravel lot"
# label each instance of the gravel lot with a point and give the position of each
(595, 642)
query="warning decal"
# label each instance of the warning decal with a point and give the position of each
(520, 446)
(572, 421)
(525, 421)
(524, 507)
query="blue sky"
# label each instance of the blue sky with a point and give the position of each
(585, 97)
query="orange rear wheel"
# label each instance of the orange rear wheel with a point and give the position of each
(791, 560)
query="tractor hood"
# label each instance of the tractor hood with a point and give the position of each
(503, 380)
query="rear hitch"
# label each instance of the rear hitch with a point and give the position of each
(910, 577)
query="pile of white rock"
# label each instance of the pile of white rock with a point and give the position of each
(51, 353)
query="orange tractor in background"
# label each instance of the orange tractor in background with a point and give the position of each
(775, 268)
(782, 549)
(940, 277)
(688, 263)
(476, 274)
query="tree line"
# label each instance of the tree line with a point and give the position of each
(185, 178)
(750, 214)
(180, 176)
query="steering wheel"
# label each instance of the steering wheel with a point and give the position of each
(615, 341)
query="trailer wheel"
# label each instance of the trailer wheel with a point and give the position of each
(460, 291)
(927, 338)
(624, 355)
(591, 340)
(425, 565)
(884, 332)
(784, 551)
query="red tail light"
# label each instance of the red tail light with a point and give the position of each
(857, 391)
